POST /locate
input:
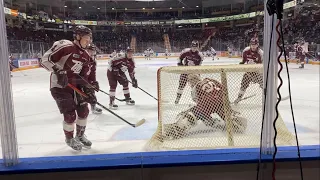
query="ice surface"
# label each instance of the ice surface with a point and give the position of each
(39, 123)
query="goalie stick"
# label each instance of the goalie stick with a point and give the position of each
(139, 123)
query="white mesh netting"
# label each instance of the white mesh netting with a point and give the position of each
(211, 120)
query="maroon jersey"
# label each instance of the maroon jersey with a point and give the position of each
(70, 57)
(252, 57)
(119, 65)
(299, 51)
(208, 95)
(189, 58)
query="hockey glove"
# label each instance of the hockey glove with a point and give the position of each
(179, 64)
(91, 99)
(134, 83)
(124, 68)
(96, 86)
(241, 62)
(61, 76)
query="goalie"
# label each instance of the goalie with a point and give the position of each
(208, 94)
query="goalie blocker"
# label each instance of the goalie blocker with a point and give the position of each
(208, 96)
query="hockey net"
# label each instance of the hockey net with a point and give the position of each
(200, 135)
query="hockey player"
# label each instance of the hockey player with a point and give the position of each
(11, 64)
(116, 73)
(300, 54)
(93, 53)
(251, 55)
(229, 52)
(69, 62)
(166, 53)
(188, 57)
(208, 94)
(148, 53)
(213, 53)
(113, 54)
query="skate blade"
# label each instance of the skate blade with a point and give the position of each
(87, 147)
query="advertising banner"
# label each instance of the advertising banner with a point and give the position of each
(28, 63)
(83, 22)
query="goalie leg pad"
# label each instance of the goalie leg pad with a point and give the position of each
(185, 121)
(239, 124)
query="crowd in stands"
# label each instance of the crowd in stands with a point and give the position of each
(296, 28)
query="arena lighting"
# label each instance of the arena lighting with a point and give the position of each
(182, 7)
(65, 6)
(197, 6)
(125, 8)
(112, 8)
(98, 8)
(143, 8)
(79, 7)
(170, 7)
(152, 8)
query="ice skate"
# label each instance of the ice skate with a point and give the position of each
(301, 66)
(96, 110)
(130, 102)
(74, 144)
(113, 106)
(84, 141)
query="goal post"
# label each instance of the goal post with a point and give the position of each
(197, 133)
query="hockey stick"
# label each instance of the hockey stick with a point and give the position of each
(282, 99)
(121, 100)
(139, 123)
(145, 92)
(245, 98)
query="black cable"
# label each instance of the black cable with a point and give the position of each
(277, 104)
(291, 107)
(265, 98)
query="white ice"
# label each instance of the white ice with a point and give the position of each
(39, 123)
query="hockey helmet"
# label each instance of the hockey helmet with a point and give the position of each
(81, 31)
(129, 49)
(194, 45)
(92, 47)
(254, 44)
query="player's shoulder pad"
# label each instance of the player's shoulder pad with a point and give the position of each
(63, 42)
(117, 58)
(246, 49)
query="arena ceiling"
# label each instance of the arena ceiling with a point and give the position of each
(132, 3)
